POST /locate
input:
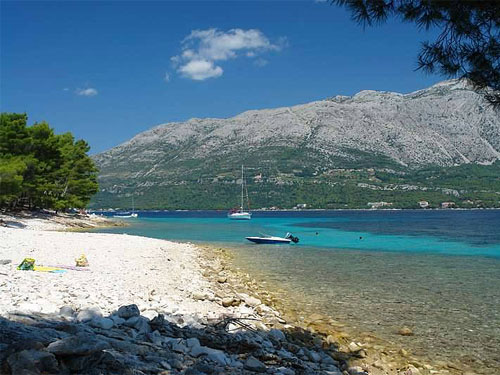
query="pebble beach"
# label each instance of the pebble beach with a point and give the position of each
(150, 306)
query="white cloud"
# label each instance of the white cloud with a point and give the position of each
(200, 70)
(166, 78)
(201, 49)
(86, 92)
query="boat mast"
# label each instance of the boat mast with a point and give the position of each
(242, 181)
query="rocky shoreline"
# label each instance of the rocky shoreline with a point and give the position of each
(353, 349)
(148, 306)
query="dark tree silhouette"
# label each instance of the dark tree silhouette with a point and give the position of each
(468, 46)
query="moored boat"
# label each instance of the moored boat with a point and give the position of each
(241, 214)
(274, 239)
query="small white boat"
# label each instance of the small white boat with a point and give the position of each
(127, 216)
(273, 239)
(241, 214)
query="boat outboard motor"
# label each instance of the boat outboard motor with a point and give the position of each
(292, 237)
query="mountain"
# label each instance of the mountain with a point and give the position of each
(337, 152)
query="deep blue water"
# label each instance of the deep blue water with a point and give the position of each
(452, 232)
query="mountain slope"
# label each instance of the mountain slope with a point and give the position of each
(443, 126)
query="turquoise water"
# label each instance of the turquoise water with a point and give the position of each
(437, 272)
(440, 232)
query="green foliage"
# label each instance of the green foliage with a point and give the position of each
(466, 185)
(40, 169)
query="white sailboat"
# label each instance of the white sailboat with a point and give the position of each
(127, 215)
(241, 214)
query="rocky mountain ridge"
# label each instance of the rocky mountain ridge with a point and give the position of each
(445, 125)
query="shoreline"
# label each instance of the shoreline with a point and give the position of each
(137, 291)
(356, 347)
(211, 290)
(55, 222)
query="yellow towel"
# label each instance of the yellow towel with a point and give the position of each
(46, 269)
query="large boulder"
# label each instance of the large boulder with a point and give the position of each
(80, 344)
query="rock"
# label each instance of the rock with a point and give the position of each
(192, 342)
(128, 311)
(230, 301)
(67, 311)
(353, 347)
(314, 356)
(405, 331)
(155, 337)
(198, 350)
(356, 370)
(252, 301)
(253, 364)
(199, 296)
(219, 357)
(32, 361)
(411, 370)
(403, 352)
(227, 301)
(117, 320)
(142, 325)
(285, 371)
(5, 261)
(150, 314)
(103, 323)
(221, 279)
(88, 314)
(179, 347)
(277, 334)
(157, 322)
(80, 344)
(78, 363)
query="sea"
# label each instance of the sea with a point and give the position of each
(434, 271)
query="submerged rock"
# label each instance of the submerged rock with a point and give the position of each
(405, 331)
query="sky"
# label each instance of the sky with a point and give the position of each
(108, 70)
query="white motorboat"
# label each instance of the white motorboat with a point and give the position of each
(274, 240)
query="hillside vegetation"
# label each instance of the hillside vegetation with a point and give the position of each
(437, 145)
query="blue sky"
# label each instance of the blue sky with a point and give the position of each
(109, 70)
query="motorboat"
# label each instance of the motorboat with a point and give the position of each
(289, 238)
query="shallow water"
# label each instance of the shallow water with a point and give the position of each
(437, 272)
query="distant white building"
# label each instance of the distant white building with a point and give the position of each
(423, 204)
(375, 205)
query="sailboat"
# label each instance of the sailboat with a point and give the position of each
(127, 215)
(241, 214)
